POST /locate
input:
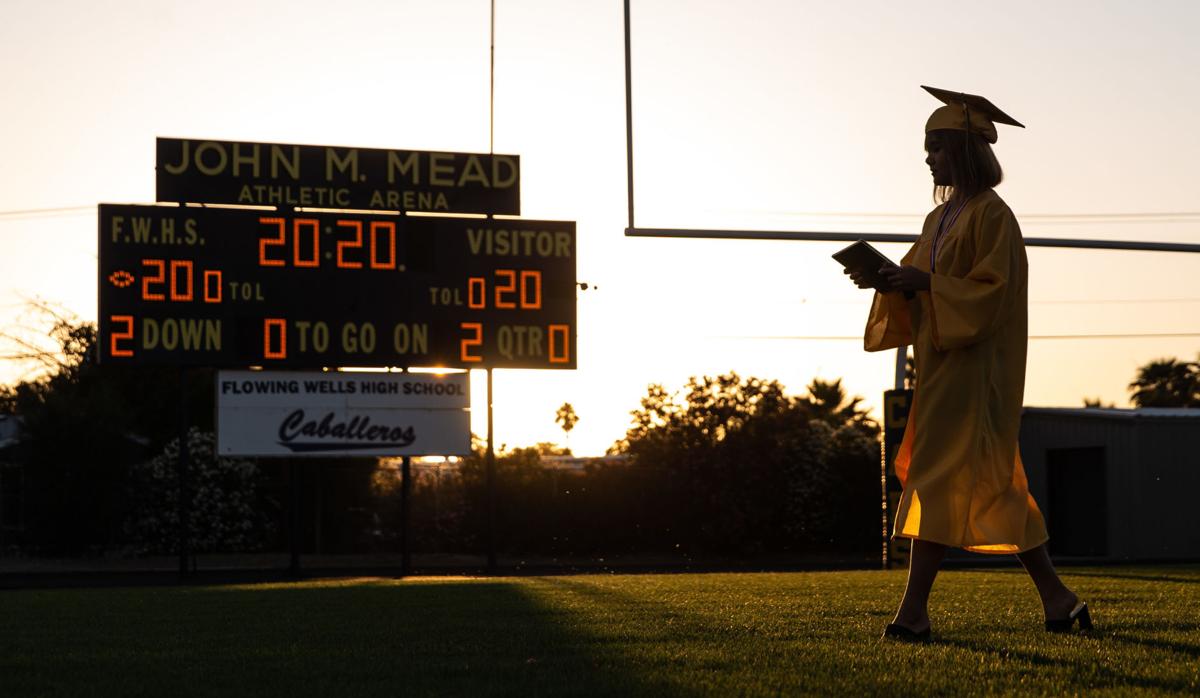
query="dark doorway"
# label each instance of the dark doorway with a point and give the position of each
(1078, 499)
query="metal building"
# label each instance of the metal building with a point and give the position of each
(1116, 484)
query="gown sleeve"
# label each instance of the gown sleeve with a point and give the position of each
(889, 325)
(968, 309)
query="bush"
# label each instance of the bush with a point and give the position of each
(227, 509)
(735, 468)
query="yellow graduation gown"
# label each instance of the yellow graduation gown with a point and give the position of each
(964, 484)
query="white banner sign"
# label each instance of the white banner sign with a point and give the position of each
(314, 413)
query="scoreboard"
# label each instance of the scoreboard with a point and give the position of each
(281, 174)
(235, 287)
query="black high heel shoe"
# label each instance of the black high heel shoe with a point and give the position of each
(899, 632)
(1065, 625)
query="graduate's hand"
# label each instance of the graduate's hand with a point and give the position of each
(906, 278)
(858, 278)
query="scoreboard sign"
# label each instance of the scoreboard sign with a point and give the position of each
(332, 413)
(227, 287)
(317, 176)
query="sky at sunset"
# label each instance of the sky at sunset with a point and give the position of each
(783, 115)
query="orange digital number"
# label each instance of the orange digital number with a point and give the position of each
(161, 265)
(531, 279)
(212, 297)
(467, 343)
(356, 226)
(510, 287)
(560, 344)
(390, 228)
(476, 285)
(187, 294)
(118, 336)
(266, 242)
(279, 350)
(315, 226)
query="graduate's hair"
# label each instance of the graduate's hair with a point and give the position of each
(973, 165)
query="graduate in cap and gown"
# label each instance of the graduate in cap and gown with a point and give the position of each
(959, 298)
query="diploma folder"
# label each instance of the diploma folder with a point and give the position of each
(861, 257)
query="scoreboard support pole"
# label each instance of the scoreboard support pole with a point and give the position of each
(896, 404)
(405, 515)
(183, 501)
(491, 481)
(294, 517)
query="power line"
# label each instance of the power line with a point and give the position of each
(1063, 301)
(1119, 214)
(858, 337)
(904, 238)
(1132, 216)
(1135, 335)
(1122, 301)
(48, 212)
(1041, 218)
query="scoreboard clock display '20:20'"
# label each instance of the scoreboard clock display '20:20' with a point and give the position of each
(244, 287)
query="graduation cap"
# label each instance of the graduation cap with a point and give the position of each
(964, 112)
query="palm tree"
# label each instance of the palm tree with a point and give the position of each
(827, 402)
(1167, 383)
(566, 418)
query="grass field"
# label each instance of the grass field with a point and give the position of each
(602, 635)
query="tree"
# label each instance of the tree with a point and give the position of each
(833, 487)
(735, 465)
(55, 344)
(84, 425)
(1167, 383)
(827, 402)
(567, 419)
